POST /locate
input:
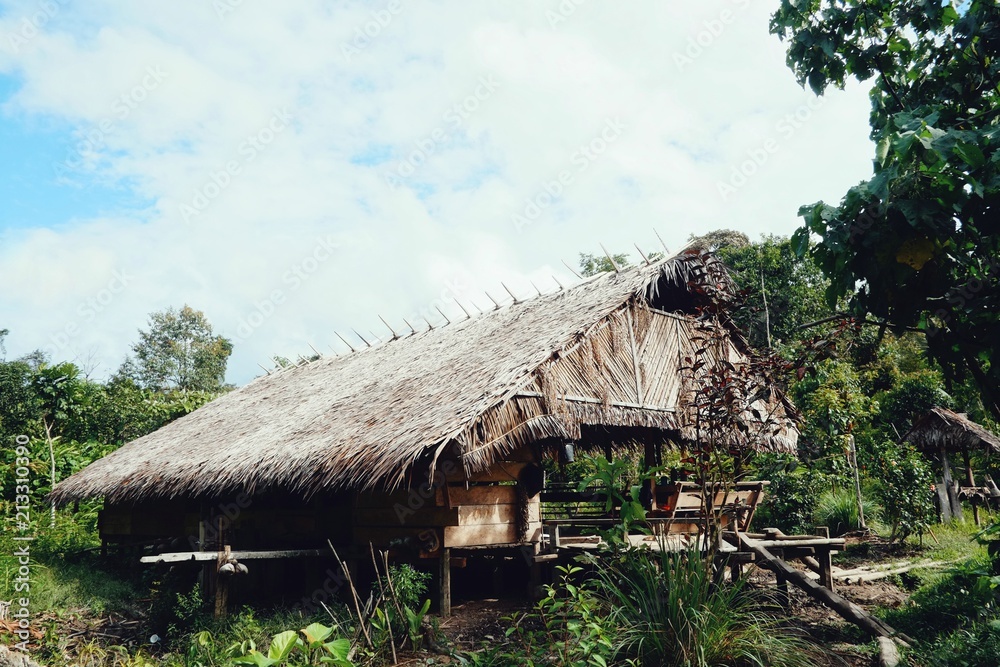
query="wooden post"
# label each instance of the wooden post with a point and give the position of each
(221, 584)
(735, 569)
(445, 583)
(970, 480)
(954, 503)
(783, 598)
(825, 567)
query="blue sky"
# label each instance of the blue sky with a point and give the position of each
(300, 169)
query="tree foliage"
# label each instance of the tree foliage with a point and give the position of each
(916, 245)
(781, 291)
(179, 351)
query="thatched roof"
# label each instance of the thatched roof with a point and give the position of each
(941, 427)
(369, 419)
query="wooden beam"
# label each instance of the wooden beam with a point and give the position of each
(208, 556)
(847, 609)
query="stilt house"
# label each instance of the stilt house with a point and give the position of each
(432, 441)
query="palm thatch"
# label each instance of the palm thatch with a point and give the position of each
(473, 391)
(941, 428)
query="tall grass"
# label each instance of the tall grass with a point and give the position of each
(839, 511)
(669, 612)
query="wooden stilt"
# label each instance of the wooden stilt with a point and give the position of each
(221, 585)
(970, 480)
(949, 486)
(445, 583)
(825, 567)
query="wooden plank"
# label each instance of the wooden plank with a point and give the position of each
(425, 537)
(462, 515)
(480, 495)
(425, 516)
(502, 471)
(470, 515)
(479, 535)
(407, 498)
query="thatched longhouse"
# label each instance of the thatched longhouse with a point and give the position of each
(338, 448)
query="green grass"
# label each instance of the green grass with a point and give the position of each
(839, 511)
(669, 612)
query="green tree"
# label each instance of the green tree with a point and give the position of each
(782, 292)
(179, 351)
(916, 245)
(591, 265)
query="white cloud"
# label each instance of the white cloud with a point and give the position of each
(388, 106)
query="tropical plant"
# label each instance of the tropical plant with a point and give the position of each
(567, 627)
(669, 612)
(312, 648)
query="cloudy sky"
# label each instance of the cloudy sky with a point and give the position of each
(299, 168)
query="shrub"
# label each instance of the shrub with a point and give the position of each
(904, 488)
(790, 500)
(839, 510)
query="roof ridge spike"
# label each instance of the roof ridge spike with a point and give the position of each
(264, 369)
(412, 330)
(495, 303)
(394, 334)
(561, 288)
(361, 337)
(333, 350)
(467, 315)
(610, 258)
(665, 249)
(511, 294)
(642, 254)
(345, 341)
(447, 321)
(536, 287)
(318, 353)
(479, 311)
(571, 269)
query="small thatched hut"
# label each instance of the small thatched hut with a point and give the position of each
(940, 432)
(431, 441)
